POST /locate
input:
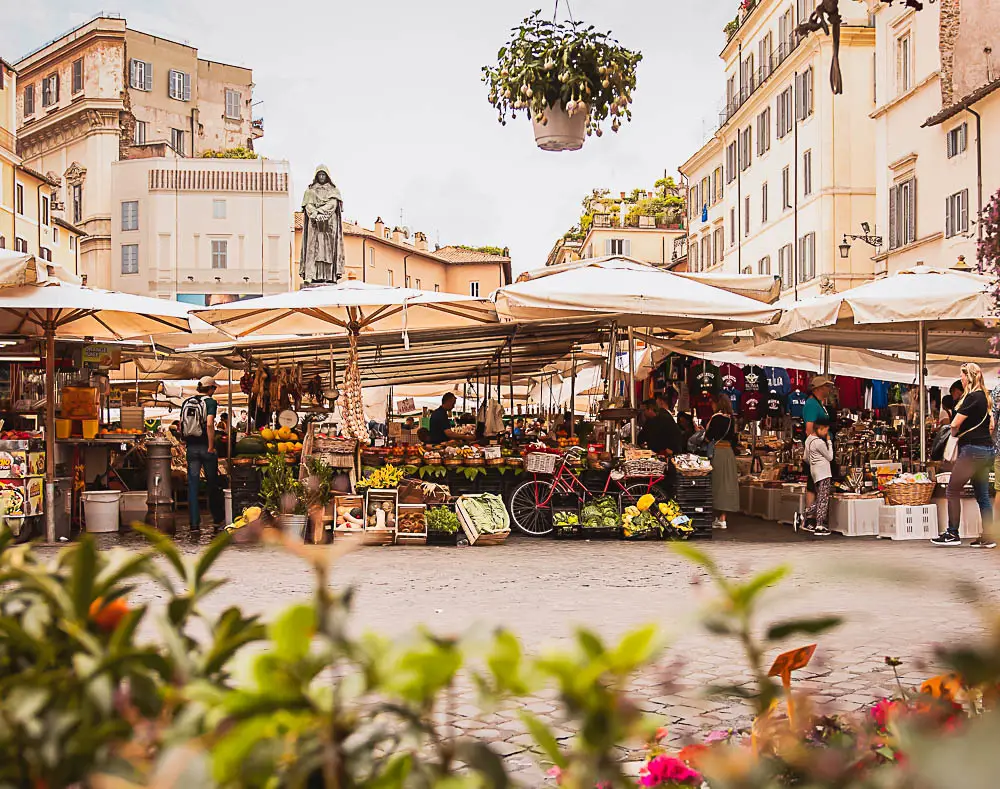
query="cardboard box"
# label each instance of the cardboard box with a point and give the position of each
(13, 464)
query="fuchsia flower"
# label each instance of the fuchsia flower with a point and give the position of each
(719, 735)
(668, 771)
(882, 711)
(555, 772)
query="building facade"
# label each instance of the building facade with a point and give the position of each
(100, 94)
(200, 230)
(31, 215)
(385, 256)
(937, 101)
(791, 167)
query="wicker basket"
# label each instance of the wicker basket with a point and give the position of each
(541, 463)
(909, 494)
(694, 472)
(634, 453)
(336, 445)
(645, 467)
(452, 462)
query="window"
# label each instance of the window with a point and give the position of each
(389, 278)
(693, 205)
(77, 76)
(45, 210)
(746, 215)
(747, 77)
(958, 140)
(731, 162)
(785, 266)
(763, 202)
(706, 192)
(139, 135)
(693, 256)
(783, 112)
(720, 241)
(72, 243)
(417, 285)
(717, 178)
(406, 281)
(3, 242)
(903, 213)
(731, 93)
(437, 288)
(130, 258)
(77, 203)
(732, 226)
(20, 245)
(807, 257)
(746, 145)
(807, 173)
(956, 214)
(764, 132)
(177, 140)
(804, 95)
(179, 85)
(618, 246)
(233, 102)
(218, 209)
(19, 198)
(55, 235)
(45, 254)
(29, 100)
(50, 90)
(140, 75)
(130, 215)
(707, 252)
(474, 289)
(764, 265)
(786, 188)
(764, 48)
(785, 30)
(220, 253)
(904, 63)
(802, 9)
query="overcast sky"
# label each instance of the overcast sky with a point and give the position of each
(388, 93)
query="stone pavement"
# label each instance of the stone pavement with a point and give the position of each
(898, 598)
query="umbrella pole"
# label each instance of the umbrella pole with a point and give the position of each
(826, 360)
(921, 373)
(572, 396)
(229, 427)
(50, 430)
(612, 367)
(631, 379)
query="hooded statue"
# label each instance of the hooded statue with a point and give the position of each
(322, 231)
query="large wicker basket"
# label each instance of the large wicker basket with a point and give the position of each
(541, 463)
(909, 494)
(644, 467)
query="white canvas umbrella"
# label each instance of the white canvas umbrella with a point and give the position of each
(55, 309)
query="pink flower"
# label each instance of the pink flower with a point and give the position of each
(881, 712)
(555, 772)
(719, 735)
(668, 771)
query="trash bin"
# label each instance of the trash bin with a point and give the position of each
(133, 506)
(100, 508)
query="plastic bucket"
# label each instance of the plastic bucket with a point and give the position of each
(228, 493)
(100, 507)
(133, 506)
(562, 131)
(90, 428)
(64, 428)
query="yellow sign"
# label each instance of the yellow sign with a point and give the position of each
(102, 356)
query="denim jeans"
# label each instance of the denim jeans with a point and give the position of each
(198, 458)
(974, 463)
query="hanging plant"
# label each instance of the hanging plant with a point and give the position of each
(569, 78)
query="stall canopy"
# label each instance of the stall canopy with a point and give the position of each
(632, 294)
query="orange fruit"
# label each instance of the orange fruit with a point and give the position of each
(107, 617)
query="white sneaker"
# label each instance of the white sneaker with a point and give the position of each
(719, 524)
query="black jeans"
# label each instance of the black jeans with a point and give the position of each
(198, 458)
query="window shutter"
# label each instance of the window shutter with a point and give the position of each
(893, 219)
(607, 247)
(149, 76)
(124, 216)
(132, 79)
(949, 218)
(911, 223)
(187, 87)
(964, 212)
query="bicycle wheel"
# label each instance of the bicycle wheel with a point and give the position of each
(636, 490)
(531, 507)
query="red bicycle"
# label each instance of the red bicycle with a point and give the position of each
(531, 501)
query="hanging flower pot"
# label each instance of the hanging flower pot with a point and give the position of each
(568, 78)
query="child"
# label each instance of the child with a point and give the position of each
(819, 455)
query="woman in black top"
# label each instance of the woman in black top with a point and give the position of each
(973, 426)
(721, 430)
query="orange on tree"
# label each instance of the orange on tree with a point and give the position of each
(107, 617)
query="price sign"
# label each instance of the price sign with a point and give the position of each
(102, 356)
(406, 406)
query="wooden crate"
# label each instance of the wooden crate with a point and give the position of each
(379, 498)
(474, 536)
(339, 530)
(411, 538)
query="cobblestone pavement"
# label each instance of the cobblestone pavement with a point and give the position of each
(898, 598)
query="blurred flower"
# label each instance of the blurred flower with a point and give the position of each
(668, 771)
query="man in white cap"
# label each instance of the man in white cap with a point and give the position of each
(197, 427)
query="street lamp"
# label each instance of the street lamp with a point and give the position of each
(868, 238)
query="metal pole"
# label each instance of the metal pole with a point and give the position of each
(826, 360)
(50, 428)
(612, 364)
(510, 359)
(572, 395)
(631, 379)
(922, 410)
(229, 427)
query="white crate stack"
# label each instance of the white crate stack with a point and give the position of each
(908, 523)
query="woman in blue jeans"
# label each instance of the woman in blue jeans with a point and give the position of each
(973, 426)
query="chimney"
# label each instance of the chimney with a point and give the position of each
(420, 241)
(397, 235)
(380, 228)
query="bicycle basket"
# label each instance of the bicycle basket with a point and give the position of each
(541, 463)
(645, 467)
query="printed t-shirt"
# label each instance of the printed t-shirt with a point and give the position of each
(703, 406)
(851, 392)
(796, 400)
(774, 405)
(705, 377)
(754, 379)
(777, 379)
(734, 398)
(751, 405)
(799, 379)
(732, 376)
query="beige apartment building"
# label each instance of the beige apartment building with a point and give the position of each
(100, 94)
(202, 231)
(31, 215)
(791, 166)
(937, 108)
(385, 256)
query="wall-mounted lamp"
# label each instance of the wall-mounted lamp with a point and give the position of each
(868, 238)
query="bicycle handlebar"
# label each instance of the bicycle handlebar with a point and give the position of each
(576, 451)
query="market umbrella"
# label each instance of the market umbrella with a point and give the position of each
(55, 308)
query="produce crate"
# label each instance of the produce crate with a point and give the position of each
(386, 501)
(442, 537)
(568, 503)
(901, 522)
(855, 517)
(603, 532)
(472, 533)
(406, 513)
(341, 529)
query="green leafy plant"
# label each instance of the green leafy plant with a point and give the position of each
(230, 153)
(550, 63)
(318, 485)
(280, 492)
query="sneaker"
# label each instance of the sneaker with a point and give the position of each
(983, 542)
(719, 524)
(821, 531)
(948, 540)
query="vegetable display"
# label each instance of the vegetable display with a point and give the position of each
(564, 519)
(601, 513)
(381, 515)
(350, 514)
(487, 513)
(385, 478)
(412, 521)
(442, 519)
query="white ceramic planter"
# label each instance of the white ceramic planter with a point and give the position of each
(563, 132)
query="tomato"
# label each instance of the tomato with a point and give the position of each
(107, 617)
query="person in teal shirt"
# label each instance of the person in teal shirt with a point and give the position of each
(813, 411)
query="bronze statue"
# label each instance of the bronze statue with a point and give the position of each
(322, 231)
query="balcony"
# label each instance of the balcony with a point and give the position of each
(759, 77)
(7, 141)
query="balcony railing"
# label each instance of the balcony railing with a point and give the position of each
(760, 76)
(8, 141)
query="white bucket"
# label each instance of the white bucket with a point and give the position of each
(228, 492)
(562, 132)
(100, 508)
(133, 506)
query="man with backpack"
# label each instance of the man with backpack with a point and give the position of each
(197, 428)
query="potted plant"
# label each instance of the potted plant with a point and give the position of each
(317, 490)
(567, 77)
(282, 494)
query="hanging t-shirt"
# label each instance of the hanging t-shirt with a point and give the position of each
(754, 379)
(796, 402)
(880, 394)
(734, 397)
(751, 405)
(705, 377)
(774, 404)
(799, 379)
(703, 405)
(851, 392)
(732, 376)
(777, 379)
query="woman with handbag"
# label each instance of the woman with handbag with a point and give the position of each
(721, 435)
(971, 449)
